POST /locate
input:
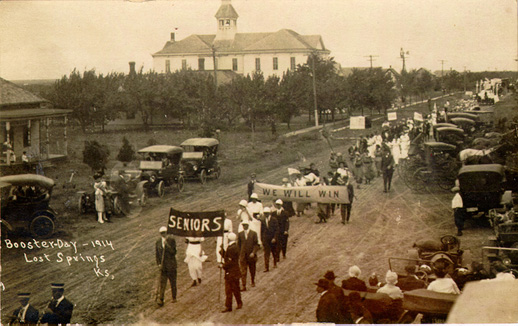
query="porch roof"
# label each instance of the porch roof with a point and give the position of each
(33, 113)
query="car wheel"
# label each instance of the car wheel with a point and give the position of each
(82, 205)
(117, 208)
(180, 183)
(203, 176)
(42, 226)
(160, 188)
(217, 173)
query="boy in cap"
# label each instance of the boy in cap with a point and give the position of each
(165, 252)
(59, 309)
(248, 245)
(25, 314)
(232, 274)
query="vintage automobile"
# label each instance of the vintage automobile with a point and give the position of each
(466, 115)
(468, 125)
(200, 158)
(482, 188)
(25, 204)
(161, 167)
(450, 135)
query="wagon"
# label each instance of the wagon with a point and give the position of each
(437, 165)
(25, 204)
(200, 158)
(160, 166)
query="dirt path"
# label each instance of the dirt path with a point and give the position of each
(382, 225)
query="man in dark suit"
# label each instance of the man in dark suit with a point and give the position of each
(232, 274)
(25, 314)
(328, 309)
(248, 245)
(270, 238)
(353, 282)
(284, 226)
(165, 252)
(59, 310)
(338, 292)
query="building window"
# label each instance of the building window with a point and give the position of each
(258, 64)
(201, 64)
(222, 22)
(275, 63)
(167, 66)
(184, 64)
(234, 64)
(228, 22)
(293, 64)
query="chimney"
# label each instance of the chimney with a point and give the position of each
(132, 68)
(172, 37)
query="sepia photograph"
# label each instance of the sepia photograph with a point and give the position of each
(258, 162)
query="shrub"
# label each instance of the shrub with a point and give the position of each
(126, 152)
(96, 155)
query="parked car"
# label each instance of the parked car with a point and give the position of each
(161, 167)
(25, 202)
(482, 188)
(200, 158)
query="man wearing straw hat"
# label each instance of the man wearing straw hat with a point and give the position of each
(25, 314)
(165, 252)
(59, 309)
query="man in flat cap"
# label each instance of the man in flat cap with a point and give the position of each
(25, 314)
(165, 252)
(232, 274)
(248, 246)
(59, 309)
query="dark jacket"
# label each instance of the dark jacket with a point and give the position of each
(328, 309)
(31, 316)
(410, 282)
(167, 257)
(283, 220)
(61, 314)
(354, 284)
(247, 246)
(343, 302)
(270, 230)
(231, 264)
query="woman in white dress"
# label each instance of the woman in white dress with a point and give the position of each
(194, 257)
(100, 191)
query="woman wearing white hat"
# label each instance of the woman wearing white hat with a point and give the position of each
(255, 207)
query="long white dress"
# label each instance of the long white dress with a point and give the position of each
(404, 142)
(255, 224)
(396, 152)
(194, 257)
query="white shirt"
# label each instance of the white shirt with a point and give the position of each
(456, 202)
(256, 207)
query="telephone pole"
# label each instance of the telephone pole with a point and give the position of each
(402, 54)
(442, 67)
(371, 58)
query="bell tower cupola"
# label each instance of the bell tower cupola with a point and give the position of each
(227, 21)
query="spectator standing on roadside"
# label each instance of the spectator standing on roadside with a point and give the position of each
(100, 192)
(251, 185)
(387, 168)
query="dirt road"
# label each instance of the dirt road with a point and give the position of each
(121, 290)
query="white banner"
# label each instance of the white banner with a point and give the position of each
(418, 116)
(307, 194)
(391, 116)
(357, 122)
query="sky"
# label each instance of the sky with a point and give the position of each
(48, 39)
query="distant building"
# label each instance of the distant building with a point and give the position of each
(25, 121)
(271, 53)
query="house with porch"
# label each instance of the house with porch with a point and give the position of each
(25, 126)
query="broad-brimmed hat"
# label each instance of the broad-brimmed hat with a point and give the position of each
(329, 275)
(243, 203)
(254, 196)
(232, 236)
(322, 283)
(267, 210)
(162, 229)
(278, 201)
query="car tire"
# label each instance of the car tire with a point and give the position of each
(180, 183)
(82, 205)
(203, 176)
(217, 173)
(42, 226)
(160, 188)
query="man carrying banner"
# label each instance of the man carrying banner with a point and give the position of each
(222, 241)
(232, 274)
(248, 245)
(165, 252)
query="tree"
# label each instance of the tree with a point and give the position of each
(95, 155)
(292, 96)
(126, 152)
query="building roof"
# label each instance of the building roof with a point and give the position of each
(226, 11)
(284, 40)
(11, 94)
